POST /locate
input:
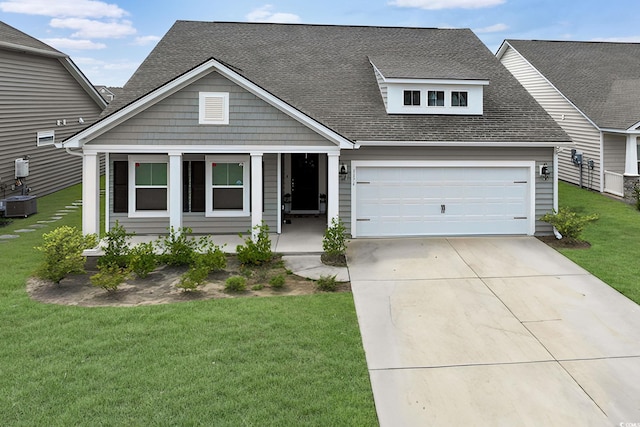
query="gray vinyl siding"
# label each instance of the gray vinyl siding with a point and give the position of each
(615, 147)
(543, 188)
(582, 132)
(197, 221)
(35, 92)
(174, 121)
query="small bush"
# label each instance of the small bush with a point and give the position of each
(334, 243)
(142, 259)
(177, 248)
(117, 249)
(257, 287)
(327, 283)
(109, 276)
(256, 252)
(194, 277)
(277, 282)
(236, 284)
(568, 223)
(212, 256)
(62, 249)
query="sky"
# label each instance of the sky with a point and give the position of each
(109, 39)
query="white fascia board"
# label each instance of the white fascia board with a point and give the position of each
(189, 77)
(211, 148)
(32, 50)
(503, 49)
(460, 82)
(462, 144)
(630, 131)
(73, 69)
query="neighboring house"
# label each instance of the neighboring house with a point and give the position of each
(592, 90)
(407, 131)
(44, 99)
(108, 93)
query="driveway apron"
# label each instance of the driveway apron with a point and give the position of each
(498, 331)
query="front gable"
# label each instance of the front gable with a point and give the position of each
(180, 120)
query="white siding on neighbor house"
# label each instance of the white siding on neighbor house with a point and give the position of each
(197, 220)
(582, 131)
(174, 121)
(382, 85)
(36, 92)
(543, 188)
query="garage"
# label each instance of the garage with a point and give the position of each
(421, 200)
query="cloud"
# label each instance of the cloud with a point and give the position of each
(497, 28)
(446, 4)
(264, 14)
(64, 8)
(145, 40)
(89, 28)
(62, 44)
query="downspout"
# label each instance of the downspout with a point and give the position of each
(555, 188)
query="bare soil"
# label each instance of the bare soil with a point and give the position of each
(160, 287)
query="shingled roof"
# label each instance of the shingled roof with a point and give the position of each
(326, 73)
(14, 39)
(602, 79)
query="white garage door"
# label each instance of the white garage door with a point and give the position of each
(419, 201)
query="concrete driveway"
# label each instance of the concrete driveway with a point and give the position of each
(500, 331)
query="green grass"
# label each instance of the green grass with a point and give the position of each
(614, 238)
(261, 361)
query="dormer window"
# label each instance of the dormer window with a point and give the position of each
(435, 98)
(459, 99)
(412, 97)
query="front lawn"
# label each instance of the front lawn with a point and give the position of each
(614, 255)
(251, 361)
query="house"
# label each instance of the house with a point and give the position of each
(44, 99)
(591, 89)
(406, 131)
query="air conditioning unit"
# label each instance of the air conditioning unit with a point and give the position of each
(22, 168)
(20, 206)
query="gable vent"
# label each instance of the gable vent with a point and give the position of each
(214, 108)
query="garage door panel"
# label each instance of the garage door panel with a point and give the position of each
(397, 201)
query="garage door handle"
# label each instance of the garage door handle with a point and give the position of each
(363, 219)
(519, 182)
(363, 182)
(519, 217)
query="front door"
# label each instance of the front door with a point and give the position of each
(304, 182)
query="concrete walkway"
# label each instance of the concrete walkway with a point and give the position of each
(493, 332)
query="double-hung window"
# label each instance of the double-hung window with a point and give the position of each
(227, 183)
(459, 99)
(411, 97)
(149, 182)
(435, 98)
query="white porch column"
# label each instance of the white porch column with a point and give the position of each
(631, 159)
(256, 189)
(175, 190)
(333, 186)
(90, 194)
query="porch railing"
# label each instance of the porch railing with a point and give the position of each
(614, 183)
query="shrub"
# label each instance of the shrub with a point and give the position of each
(62, 249)
(202, 264)
(257, 287)
(178, 248)
(277, 282)
(636, 195)
(327, 283)
(235, 284)
(256, 252)
(109, 276)
(334, 243)
(568, 223)
(117, 249)
(142, 259)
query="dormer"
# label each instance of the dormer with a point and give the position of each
(435, 88)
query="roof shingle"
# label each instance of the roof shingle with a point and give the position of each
(325, 72)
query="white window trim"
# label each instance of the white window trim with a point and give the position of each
(133, 159)
(225, 108)
(49, 135)
(246, 160)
